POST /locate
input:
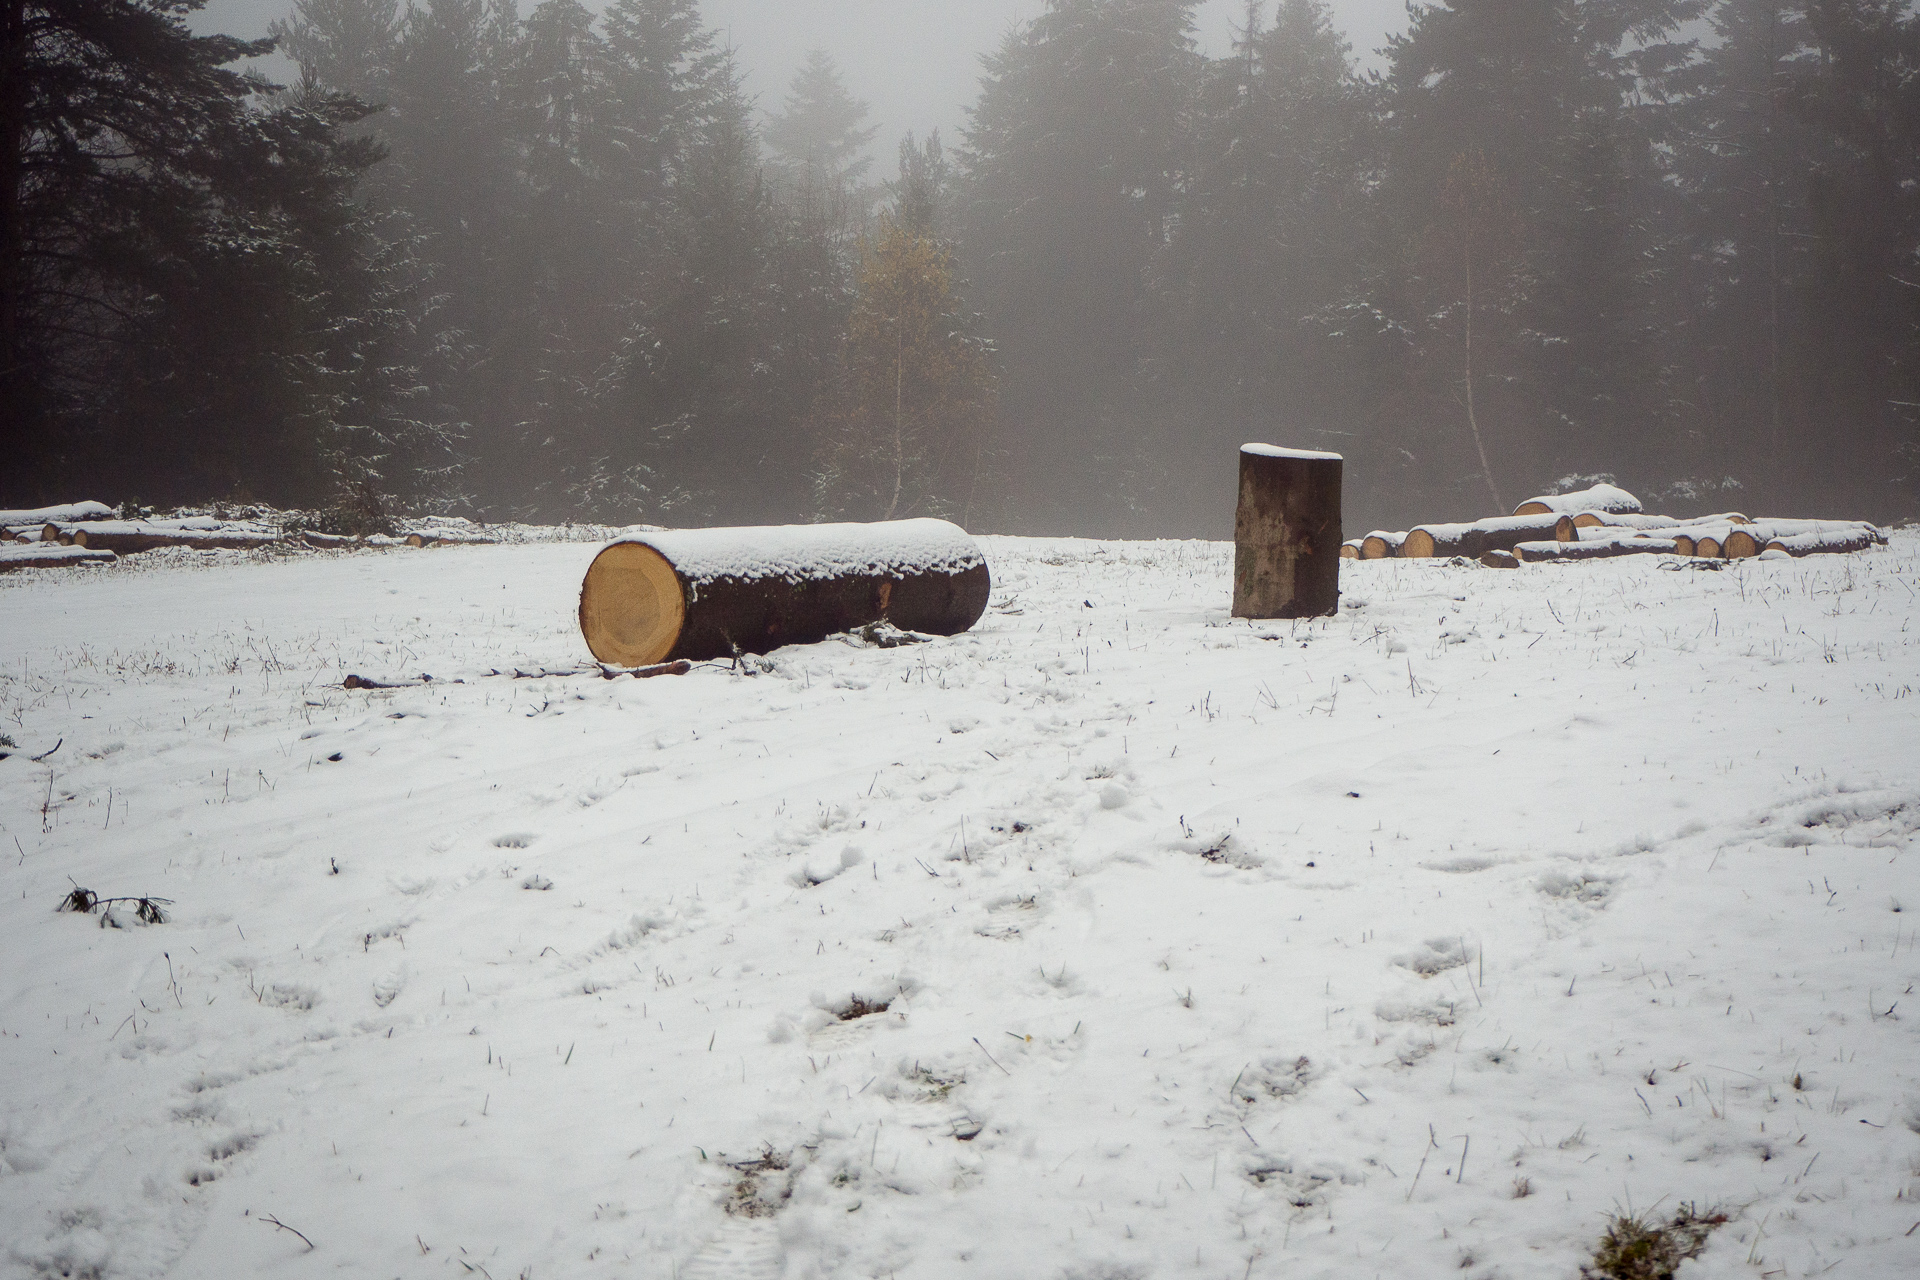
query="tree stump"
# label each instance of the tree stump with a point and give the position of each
(1287, 534)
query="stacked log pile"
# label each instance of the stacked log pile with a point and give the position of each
(1606, 521)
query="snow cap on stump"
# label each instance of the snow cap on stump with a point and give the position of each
(1287, 533)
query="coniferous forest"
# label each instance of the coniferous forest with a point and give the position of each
(559, 264)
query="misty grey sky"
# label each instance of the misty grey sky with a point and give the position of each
(915, 61)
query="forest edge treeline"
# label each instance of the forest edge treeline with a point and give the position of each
(559, 266)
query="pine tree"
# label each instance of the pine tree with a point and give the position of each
(346, 45)
(820, 135)
(1075, 158)
(188, 294)
(1268, 245)
(1544, 100)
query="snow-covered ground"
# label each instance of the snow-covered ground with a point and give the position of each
(1410, 943)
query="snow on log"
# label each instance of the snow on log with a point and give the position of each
(696, 594)
(1501, 533)
(1559, 552)
(199, 533)
(1286, 533)
(1381, 545)
(42, 555)
(70, 514)
(1827, 542)
(1745, 543)
(1646, 523)
(448, 538)
(1602, 497)
(1350, 549)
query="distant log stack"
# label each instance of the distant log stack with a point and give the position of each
(1605, 521)
(697, 594)
(1501, 533)
(1287, 534)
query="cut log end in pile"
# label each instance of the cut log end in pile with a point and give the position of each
(1605, 522)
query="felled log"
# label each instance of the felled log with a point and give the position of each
(69, 514)
(1646, 523)
(1501, 533)
(1745, 543)
(1286, 533)
(1350, 549)
(1558, 552)
(448, 538)
(1502, 559)
(1381, 545)
(47, 555)
(1602, 497)
(1826, 542)
(695, 594)
(129, 537)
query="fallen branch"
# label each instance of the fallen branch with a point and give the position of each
(680, 668)
(364, 682)
(44, 754)
(86, 902)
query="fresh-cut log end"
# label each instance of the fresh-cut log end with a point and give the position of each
(1381, 545)
(632, 606)
(692, 595)
(1350, 549)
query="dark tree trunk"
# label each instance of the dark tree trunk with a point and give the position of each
(1286, 560)
(13, 136)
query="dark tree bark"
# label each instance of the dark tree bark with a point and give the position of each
(1287, 534)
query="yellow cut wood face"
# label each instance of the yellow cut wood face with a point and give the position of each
(632, 606)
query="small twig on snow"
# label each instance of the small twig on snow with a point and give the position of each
(272, 1221)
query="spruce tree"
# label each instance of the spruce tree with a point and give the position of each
(820, 136)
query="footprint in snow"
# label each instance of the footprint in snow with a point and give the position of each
(388, 989)
(742, 1249)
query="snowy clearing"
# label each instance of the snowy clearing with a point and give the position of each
(1113, 939)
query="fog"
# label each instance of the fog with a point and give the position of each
(915, 62)
(586, 273)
